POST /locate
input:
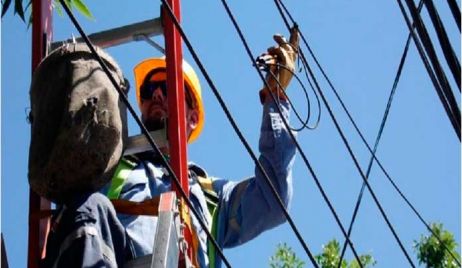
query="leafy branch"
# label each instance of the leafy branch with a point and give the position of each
(285, 257)
(433, 252)
(23, 7)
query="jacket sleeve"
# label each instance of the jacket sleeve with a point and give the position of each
(86, 233)
(248, 208)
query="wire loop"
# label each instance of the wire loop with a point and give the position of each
(304, 122)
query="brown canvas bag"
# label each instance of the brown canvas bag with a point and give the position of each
(78, 123)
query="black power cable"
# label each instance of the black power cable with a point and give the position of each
(398, 74)
(455, 11)
(371, 161)
(375, 149)
(278, 5)
(453, 117)
(377, 140)
(364, 178)
(237, 130)
(448, 51)
(144, 131)
(427, 43)
(304, 156)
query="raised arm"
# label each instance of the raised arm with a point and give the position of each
(249, 207)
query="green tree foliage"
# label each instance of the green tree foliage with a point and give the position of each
(330, 257)
(284, 257)
(21, 7)
(434, 253)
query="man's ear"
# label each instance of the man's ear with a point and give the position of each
(192, 119)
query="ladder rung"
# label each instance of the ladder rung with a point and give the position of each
(120, 35)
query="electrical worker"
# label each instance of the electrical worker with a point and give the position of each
(241, 211)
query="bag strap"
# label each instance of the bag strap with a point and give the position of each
(212, 200)
(118, 180)
(120, 175)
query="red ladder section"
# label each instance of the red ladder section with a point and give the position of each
(39, 208)
(38, 226)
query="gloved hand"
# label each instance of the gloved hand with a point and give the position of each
(285, 53)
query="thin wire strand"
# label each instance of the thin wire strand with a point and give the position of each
(144, 131)
(239, 133)
(273, 76)
(305, 123)
(304, 158)
(318, 103)
(278, 3)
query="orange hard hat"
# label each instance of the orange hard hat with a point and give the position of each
(190, 78)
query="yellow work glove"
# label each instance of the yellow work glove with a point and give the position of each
(285, 54)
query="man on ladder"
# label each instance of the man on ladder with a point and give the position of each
(87, 232)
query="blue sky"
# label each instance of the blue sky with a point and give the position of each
(359, 43)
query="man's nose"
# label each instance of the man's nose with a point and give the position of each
(157, 94)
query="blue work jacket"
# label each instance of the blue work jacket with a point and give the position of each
(245, 208)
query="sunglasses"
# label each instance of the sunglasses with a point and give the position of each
(147, 89)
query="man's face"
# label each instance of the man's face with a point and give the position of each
(154, 105)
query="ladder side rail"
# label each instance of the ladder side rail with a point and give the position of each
(176, 98)
(167, 239)
(39, 227)
(176, 112)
